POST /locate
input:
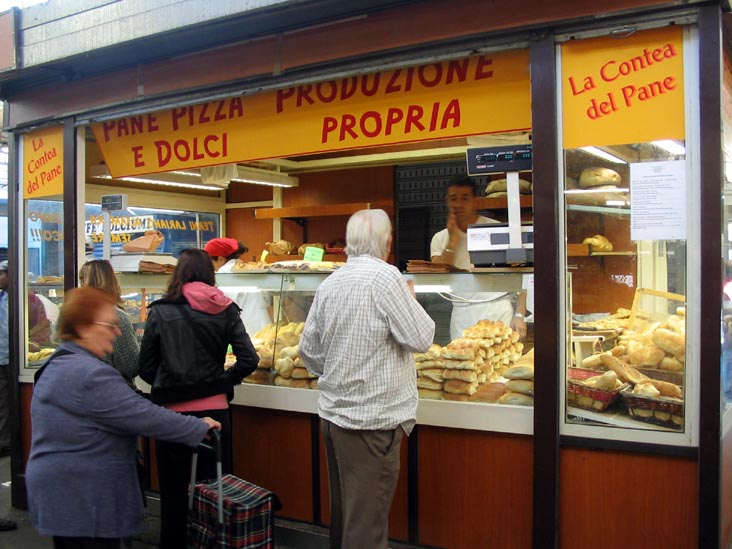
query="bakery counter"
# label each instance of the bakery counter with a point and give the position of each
(457, 415)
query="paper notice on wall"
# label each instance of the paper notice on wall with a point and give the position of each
(658, 200)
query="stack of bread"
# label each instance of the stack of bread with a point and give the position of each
(462, 360)
(468, 369)
(520, 384)
(268, 341)
(429, 372)
(291, 372)
(656, 346)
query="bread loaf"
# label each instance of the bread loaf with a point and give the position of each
(607, 381)
(670, 342)
(671, 364)
(644, 353)
(593, 362)
(463, 375)
(432, 394)
(501, 185)
(593, 177)
(435, 374)
(599, 243)
(646, 389)
(490, 392)
(524, 386)
(516, 399)
(459, 387)
(301, 373)
(456, 397)
(426, 383)
(518, 372)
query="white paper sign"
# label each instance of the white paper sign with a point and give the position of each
(658, 200)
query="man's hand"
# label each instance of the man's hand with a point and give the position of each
(453, 232)
(519, 325)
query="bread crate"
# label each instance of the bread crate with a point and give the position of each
(586, 397)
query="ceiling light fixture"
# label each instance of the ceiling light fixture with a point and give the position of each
(604, 155)
(670, 146)
(192, 179)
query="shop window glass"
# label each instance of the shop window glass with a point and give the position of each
(625, 227)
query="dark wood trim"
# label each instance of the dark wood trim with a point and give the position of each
(15, 225)
(70, 209)
(546, 302)
(413, 486)
(630, 447)
(315, 451)
(711, 179)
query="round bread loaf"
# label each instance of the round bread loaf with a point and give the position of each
(594, 177)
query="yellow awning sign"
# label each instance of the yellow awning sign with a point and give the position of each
(460, 97)
(43, 163)
(623, 90)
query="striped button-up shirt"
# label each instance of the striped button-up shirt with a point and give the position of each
(358, 339)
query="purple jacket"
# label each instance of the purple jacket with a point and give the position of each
(81, 476)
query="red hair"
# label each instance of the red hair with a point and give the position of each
(81, 307)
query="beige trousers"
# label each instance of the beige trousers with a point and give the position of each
(363, 470)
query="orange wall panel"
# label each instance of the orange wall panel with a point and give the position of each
(475, 488)
(634, 501)
(273, 449)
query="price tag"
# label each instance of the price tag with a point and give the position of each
(313, 254)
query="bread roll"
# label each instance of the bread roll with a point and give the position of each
(670, 342)
(646, 389)
(259, 377)
(430, 394)
(426, 383)
(644, 353)
(671, 364)
(459, 387)
(501, 185)
(433, 353)
(284, 367)
(490, 392)
(435, 374)
(314, 384)
(599, 243)
(458, 364)
(593, 177)
(428, 364)
(280, 381)
(516, 399)
(463, 375)
(524, 386)
(301, 373)
(455, 396)
(593, 362)
(300, 384)
(519, 372)
(607, 381)
(291, 352)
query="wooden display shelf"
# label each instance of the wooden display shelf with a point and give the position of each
(322, 210)
(327, 257)
(584, 250)
(501, 203)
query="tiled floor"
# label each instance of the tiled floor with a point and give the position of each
(288, 535)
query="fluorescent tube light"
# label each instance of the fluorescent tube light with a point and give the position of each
(670, 146)
(192, 179)
(604, 155)
(431, 289)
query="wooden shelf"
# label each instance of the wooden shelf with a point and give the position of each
(584, 250)
(322, 210)
(327, 257)
(501, 203)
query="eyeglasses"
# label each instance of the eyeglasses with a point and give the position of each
(110, 325)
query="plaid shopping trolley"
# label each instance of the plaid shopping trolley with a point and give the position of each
(228, 511)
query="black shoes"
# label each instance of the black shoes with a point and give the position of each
(6, 524)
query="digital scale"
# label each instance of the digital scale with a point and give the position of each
(502, 244)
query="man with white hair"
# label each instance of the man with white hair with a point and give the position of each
(360, 333)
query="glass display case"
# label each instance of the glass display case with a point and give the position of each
(625, 227)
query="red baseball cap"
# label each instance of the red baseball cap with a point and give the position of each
(221, 247)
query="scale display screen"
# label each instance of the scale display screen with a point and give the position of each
(487, 160)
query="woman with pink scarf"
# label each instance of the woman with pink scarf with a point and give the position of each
(182, 357)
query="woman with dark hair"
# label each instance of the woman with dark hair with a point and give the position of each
(99, 273)
(182, 357)
(81, 476)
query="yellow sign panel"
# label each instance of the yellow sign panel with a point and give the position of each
(623, 90)
(475, 95)
(43, 163)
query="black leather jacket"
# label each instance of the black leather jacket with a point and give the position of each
(183, 361)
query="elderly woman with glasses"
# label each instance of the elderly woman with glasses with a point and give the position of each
(81, 476)
(99, 273)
